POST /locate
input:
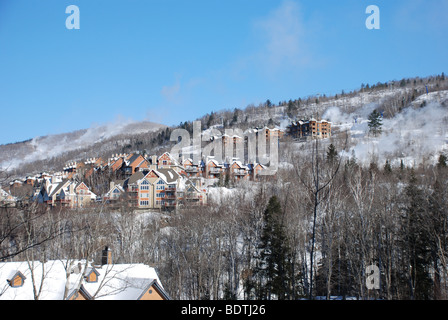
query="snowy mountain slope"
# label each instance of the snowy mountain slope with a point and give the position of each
(415, 135)
(413, 130)
(41, 148)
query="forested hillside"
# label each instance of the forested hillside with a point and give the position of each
(335, 207)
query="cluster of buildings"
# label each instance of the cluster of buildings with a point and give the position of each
(139, 181)
(157, 182)
(164, 186)
(312, 128)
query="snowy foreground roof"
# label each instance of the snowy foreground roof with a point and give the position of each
(62, 278)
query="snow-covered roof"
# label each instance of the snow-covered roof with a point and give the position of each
(115, 281)
(168, 175)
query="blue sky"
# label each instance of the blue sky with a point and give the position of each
(175, 60)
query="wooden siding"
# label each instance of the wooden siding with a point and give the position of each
(152, 294)
(17, 281)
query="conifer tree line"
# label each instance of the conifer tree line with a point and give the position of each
(269, 240)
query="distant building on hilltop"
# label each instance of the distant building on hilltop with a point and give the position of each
(312, 128)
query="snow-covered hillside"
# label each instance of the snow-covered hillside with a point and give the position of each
(415, 135)
(41, 148)
(414, 126)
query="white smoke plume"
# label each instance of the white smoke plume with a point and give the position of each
(415, 135)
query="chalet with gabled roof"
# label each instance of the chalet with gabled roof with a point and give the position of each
(133, 163)
(239, 171)
(85, 281)
(166, 160)
(67, 193)
(193, 169)
(6, 198)
(214, 169)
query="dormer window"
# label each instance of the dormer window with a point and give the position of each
(92, 275)
(17, 280)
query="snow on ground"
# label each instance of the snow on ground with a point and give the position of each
(220, 194)
(415, 135)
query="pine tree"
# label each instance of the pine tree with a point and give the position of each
(417, 240)
(274, 268)
(442, 161)
(387, 167)
(332, 154)
(438, 205)
(375, 123)
(291, 110)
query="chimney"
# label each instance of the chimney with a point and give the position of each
(71, 188)
(106, 257)
(154, 162)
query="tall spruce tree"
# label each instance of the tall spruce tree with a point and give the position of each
(332, 154)
(375, 123)
(442, 163)
(274, 267)
(417, 241)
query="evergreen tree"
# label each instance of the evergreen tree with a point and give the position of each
(227, 179)
(438, 227)
(417, 242)
(387, 167)
(442, 161)
(352, 162)
(210, 120)
(291, 110)
(332, 154)
(375, 123)
(235, 116)
(274, 268)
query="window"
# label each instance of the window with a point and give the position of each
(144, 203)
(144, 185)
(160, 185)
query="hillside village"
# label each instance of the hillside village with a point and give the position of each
(145, 182)
(148, 182)
(202, 230)
(137, 181)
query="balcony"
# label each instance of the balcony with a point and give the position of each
(62, 201)
(191, 169)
